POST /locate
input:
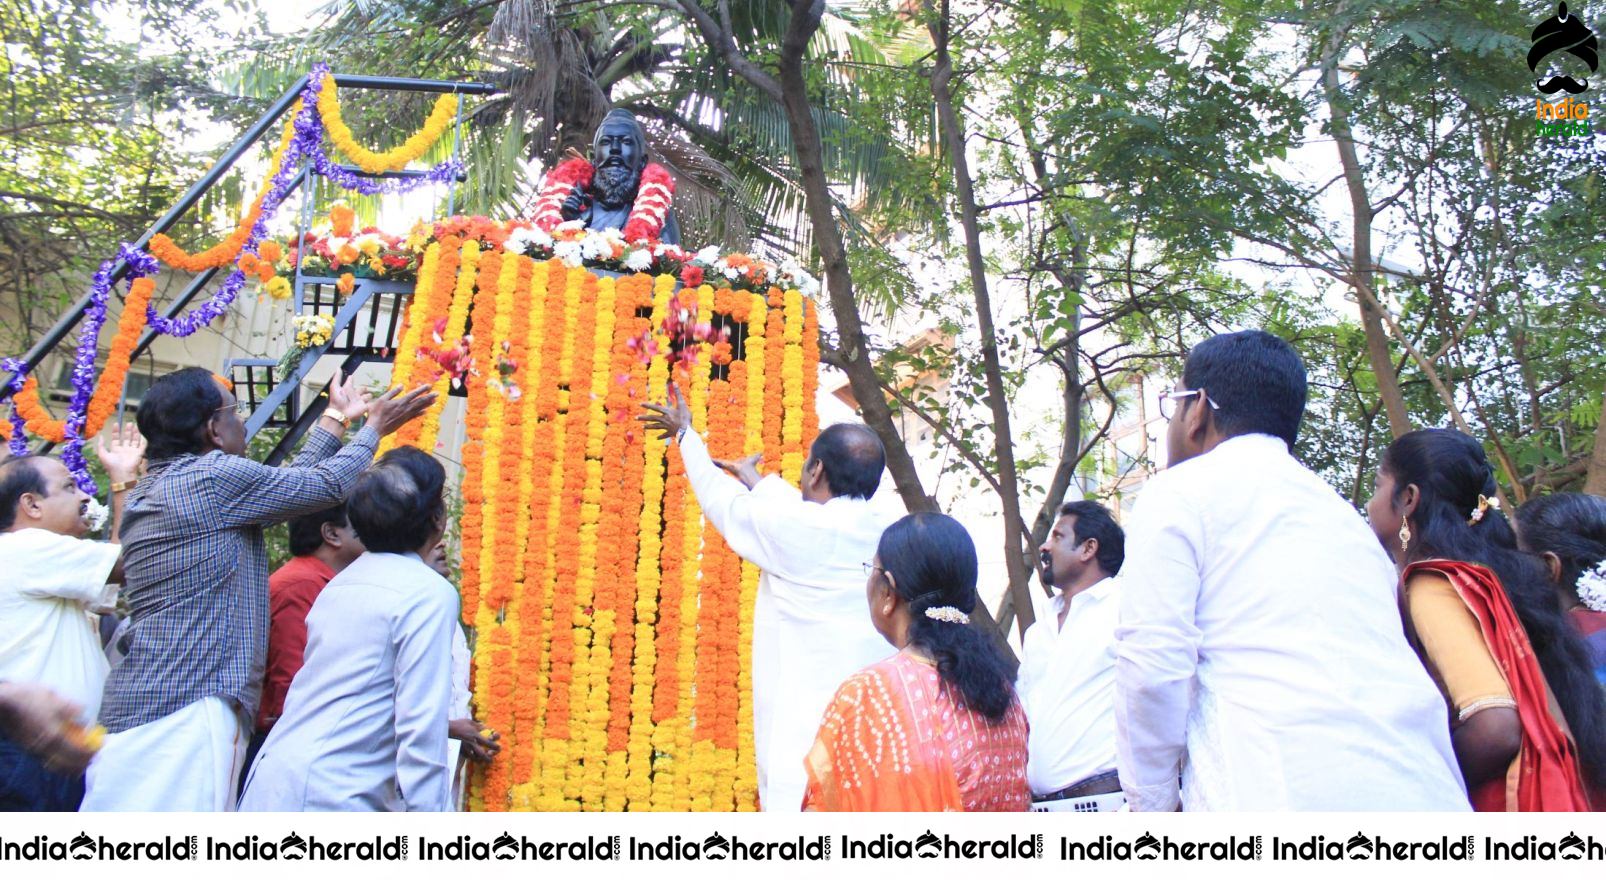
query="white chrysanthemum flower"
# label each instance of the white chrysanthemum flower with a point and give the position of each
(540, 238)
(639, 260)
(569, 252)
(1592, 587)
(98, 515)
(596, 247)
(708, 256)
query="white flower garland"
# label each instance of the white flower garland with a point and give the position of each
(1592, 587)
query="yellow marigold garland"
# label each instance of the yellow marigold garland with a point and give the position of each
(792, 391)
(440, 118)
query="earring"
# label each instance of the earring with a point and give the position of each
(1405, 535)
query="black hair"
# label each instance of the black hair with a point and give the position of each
(1570, 525)
(1450, 471)
(1093, 521)
(306, 532)
(933, 564)
(1256, 379)
(174, 411)
(19, 476)
(853, 459)
(397, 503)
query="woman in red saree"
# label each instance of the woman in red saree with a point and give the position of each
(937, 726)
(1527, 719)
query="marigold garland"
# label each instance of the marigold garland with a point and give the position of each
(416, 145)
(228, 250)
(613, 626)
(109, 390)
(456, 326)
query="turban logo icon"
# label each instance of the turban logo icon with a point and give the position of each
(1563, 33)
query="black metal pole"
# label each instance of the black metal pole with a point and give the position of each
(399, 84)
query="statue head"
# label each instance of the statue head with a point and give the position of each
(619, 153)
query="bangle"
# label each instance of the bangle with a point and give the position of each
(338, 416)
(125, 485)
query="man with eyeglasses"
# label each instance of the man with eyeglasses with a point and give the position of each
(1260, 654)
(178, 708)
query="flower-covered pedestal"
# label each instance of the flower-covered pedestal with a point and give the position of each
(612, 625)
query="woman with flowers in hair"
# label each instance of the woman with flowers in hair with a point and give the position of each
(937, 726)
(1528, 720)
(1567, 531)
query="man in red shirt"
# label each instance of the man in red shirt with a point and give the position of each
(321, 544)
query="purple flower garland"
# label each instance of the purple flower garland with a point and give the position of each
(19, 374)
(306, 143)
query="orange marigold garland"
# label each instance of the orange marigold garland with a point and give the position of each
(456, 325)
(228, 250)
(476, 420)
(109, 390)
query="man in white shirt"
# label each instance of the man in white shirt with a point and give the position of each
(1067, 669)
(54, 580)
(463, 732)
(365, 722)
(811, 624)
(1260, 653)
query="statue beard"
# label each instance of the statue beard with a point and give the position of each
(615, 185)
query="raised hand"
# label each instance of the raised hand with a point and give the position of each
(669, 419)
(121, 450)
(576, 203)
(347, 397)
(388, 412)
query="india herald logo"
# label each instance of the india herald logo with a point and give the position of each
(1565, 33)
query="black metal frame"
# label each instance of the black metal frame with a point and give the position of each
(65, 324)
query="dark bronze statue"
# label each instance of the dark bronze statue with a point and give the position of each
(619, 154)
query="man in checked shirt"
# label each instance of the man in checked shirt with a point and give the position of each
(177, 709)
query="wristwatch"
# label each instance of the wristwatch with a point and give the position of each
(337, 415)
(125, 485)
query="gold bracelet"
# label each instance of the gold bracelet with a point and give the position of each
(125, 485)
(337, 415)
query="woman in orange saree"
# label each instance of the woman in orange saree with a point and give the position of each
(937, 726)
(1528, 720)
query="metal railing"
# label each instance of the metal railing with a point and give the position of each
(69, 320)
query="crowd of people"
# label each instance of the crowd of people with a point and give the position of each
(1251, 642)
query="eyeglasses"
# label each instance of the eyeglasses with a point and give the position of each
(870, 568)
(240, 407)
(1168, 401)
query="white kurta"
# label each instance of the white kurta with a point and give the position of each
(811, 620)
(46, 637)
(364, 724)
(1067, 687)
(1261, 642)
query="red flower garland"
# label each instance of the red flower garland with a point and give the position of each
(557, 186)
(647, 215)
(651, 210)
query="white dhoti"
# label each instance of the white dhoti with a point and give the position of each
(189, 761)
